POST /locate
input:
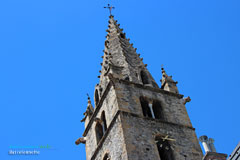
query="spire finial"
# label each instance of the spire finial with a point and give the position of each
(89, 100)
(110, 7)
(168, 83)
(88, 96)
(163, 71)
(89, 110)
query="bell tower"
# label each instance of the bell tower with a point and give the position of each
(134, 118)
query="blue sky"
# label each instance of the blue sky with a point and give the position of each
(50, 57)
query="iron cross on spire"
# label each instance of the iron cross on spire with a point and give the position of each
(110, 7)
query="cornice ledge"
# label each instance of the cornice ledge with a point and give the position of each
(159, 90)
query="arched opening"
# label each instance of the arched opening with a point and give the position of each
(157, 110)
(145, 107)
(164, 149)
(103, 118)
(99, 132)
(96, 97)
(144, 77)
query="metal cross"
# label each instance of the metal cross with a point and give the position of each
(88, 96)
(167, 138)
(110, 7)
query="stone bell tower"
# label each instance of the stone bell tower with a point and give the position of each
(134, 118)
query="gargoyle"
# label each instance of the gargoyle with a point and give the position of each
(80, 140)
(186, 100)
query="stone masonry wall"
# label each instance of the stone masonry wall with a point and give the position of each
(114, 144)
(140, 139)
(132, 136)
(109, 106)
(129, 100)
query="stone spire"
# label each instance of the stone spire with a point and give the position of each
(133, 118)
(168, 83)
(121, 61)
(89, 112)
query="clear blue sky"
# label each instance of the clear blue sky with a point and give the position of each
(50, 57)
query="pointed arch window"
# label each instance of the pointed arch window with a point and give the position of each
(101, 127)
(151, 108)
(157, 110)
(145, 107)
(99, 132)
(104, 123)
(96, 97)
(144, 77)
(164, 149)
